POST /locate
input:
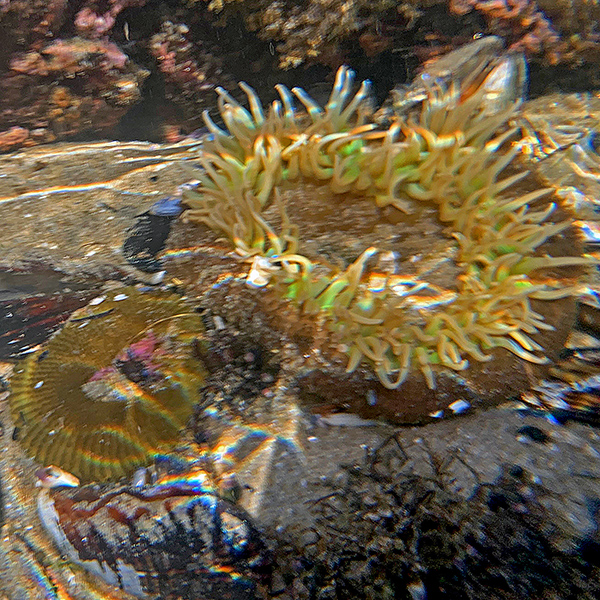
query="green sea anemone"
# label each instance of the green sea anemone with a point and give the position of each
(446, 172)
(113, 388)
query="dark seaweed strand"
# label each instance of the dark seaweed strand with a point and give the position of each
(104, 551)
(146, 565)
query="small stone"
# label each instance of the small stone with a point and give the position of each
(532, 433)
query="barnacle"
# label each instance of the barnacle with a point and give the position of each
(448, 160)
(113, 388)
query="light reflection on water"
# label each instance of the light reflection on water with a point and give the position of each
(111, 184)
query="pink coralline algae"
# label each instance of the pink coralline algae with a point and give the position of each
(92, 22)
(13, 137)
(65, 68)
(53, 87)
(30, 23)
(191, 73)
(87, 54)
(66, 87)
(69, 56)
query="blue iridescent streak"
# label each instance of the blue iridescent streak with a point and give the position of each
(167, 207)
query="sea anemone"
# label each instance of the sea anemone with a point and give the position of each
(113, 388)
(475, 288)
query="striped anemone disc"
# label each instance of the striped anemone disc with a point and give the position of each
(113, 388)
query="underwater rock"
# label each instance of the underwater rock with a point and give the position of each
(318, 31)
(314, 29)
(89, 192)
(561, 145)
(191, 67)
(381, 533)
(68, 87)
(552, 29)
(113, 388)
(524, 26)
(386, 530)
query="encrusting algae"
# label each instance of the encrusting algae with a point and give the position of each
(493, 247)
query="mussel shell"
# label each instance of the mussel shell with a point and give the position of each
(73, 408)
(145, 240)
(174, 539)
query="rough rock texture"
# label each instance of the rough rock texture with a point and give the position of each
(82, 68)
